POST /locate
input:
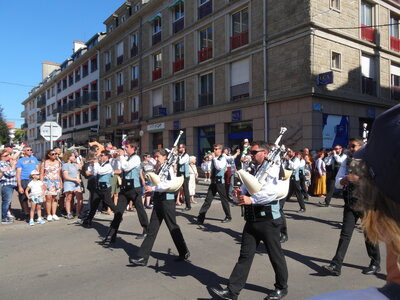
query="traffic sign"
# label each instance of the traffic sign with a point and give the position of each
(50, 131)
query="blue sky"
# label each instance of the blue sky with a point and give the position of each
(37, 31)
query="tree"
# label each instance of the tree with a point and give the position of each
(4, 132)
(19, 136)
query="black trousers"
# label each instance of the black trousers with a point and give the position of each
(350, 218)
(96, 196)
(254, 232)
(284, 224)
(123, 197)
(294, 186)
(162, 210)
(212, 191)
(330, 185)
(186, 191)
(303, 185)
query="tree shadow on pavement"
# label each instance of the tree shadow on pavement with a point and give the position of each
(302, 217)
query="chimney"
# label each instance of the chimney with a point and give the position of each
(78, 45)
(48, 67)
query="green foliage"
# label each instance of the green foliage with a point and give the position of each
(19, 136)
(4, 138)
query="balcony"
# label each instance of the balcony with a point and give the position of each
(179, 106)
(120, 119)
(134, 116)
(205, 53)
(71, 105)
(395, 43)
(41, 102)
(64, 108)
(134, 50)
(159, 110)
(134, 83)
(178, 25)
(41, 118)
(178, 65)
(120, 89)
(156, 74)
(108, 94)
(240, 91)
(108, 122)
(24, 125)
(239, 39)
(368, 33)
(156, 38)
(120, 59)
(108, 67)
(78, 102)
(93, 97)
(205, 99)
(395, 93)
(205, 9)
(368, 86)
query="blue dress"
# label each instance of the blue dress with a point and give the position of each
(72, 169)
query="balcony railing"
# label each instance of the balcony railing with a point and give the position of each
(205, 99)
(41, 102)
(108, 122)
(120, 59)
(134, 50)
(65, 108)
(240, 91)
(239, 39)
(108, 67)
(178, 25)
(120, 119)
(205, 53)
(368, 33)
(134, 116)
(205, 9)
(156, 38)
(159, 110)
(108, 94)
(179, 106)
(134, 83)
(395, 91)
(368, 86)
(156, 74)
(71, 105)
(78, 102)
(395, 43)
(178, 65)
(120, 89)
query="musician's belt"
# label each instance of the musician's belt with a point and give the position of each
(256, 213)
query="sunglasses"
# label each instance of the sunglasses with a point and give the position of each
(5, 155)
(353, 146)
(28, 150)
(52, 154)
(254, 152)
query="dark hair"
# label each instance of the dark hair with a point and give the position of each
(131, 142)
(66, 156)
(162, 152)
(358, 140)
(106, 153)
(262, 145)
(48, 152)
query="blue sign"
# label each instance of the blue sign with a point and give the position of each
(177, 124)
(162, 111)
(316, 107)
(371, 112)
(325, 78)
(236, 115)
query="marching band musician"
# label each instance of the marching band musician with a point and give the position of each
(103, 173)
(183, 169)
(218, 168)
(263, 223)
(131, 189)
(164, 209)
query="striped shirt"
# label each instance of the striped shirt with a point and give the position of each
(9, 176)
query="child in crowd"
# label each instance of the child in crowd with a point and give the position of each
(206, 167)
(34, 192)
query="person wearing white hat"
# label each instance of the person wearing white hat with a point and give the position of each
(34, 192)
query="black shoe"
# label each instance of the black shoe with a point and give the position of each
(141, 262)
(371, 270)
(110, 237)
(187, 208)
(199, 220)
(323, 204)
(332, 270)
(284, 238)
(301, 210)
(184, 257)
(141, 236)
(225, 294)
(226, 220)
(85, 223)
(276, 294)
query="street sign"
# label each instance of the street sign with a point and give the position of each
(50, 131)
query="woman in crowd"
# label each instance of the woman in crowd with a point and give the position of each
(320, 174)
(72, 184)
(193, 177)
(50, 175)
(8, 183)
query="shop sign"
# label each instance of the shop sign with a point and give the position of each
(236, 115)
(176, 124)
(325, 78)
(156, 127)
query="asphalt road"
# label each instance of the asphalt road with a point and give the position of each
(61, 260)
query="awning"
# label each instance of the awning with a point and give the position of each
(175, 3)
(156, 16)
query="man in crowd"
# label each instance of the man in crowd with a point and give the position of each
(183, 170)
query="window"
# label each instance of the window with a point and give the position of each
(367, 32)
(107, 58)
(93, 113)
(71, 120)
(93, 64)
(179, 16)
(135, 108)
(120, 53)
(123, 19)
(85, 116)
(240, 29)
(205, 43)
(77, 118)
(120, 112)
(77, 74)
(394, 33)
(179, 97)
(240, 74)
(107, 86)
(110, 28)
(368, 75)
(205, 8)
(64, 83)
(134, 39)
(108, 115)
(70, 79)
(53, 90)
(179, 51)
(156, 29)
(156, 98)
(120, 82)
(206, 89)
(336, 61)
(157, 63)
(85, 70)
(334, 4)
(395, 82)
(134, 76)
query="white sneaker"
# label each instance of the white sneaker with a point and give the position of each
(40, 221)
(49, 218)
(55, 218)
(9, 215)
(31, 222)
